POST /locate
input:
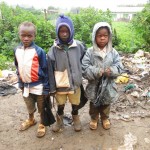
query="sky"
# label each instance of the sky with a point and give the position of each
(68, 4)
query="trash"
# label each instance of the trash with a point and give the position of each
(123, 78)
(67, 119)
(148, 94)
(6, 89)
(129, 86)
(135, 94)
(129, 141)
(147, 140)
(139, 53)
(144, 93)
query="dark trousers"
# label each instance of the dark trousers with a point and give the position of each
(103, 110)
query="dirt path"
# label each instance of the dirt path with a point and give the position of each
(13, 111)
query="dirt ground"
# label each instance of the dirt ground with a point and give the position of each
(130, 128)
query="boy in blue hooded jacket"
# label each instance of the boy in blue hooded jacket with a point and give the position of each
(65, 71)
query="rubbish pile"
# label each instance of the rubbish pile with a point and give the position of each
(134, 87)
(8, 82)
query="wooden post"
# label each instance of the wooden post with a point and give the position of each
(45, 14)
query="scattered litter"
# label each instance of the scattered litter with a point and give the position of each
(123, 78)
(67, 119)
(147, 140)
(6, 89)
(129, 141)
(135, 94)
(130, 86)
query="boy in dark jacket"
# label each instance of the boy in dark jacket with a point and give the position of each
(31, 64)
(64, 65)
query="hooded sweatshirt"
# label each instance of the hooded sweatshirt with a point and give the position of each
(61, 21)
(93, 64)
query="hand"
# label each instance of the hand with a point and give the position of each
(107, 72)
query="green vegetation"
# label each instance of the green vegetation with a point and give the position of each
(127, 37)
(141, 23)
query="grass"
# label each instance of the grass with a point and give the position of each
(129, 40)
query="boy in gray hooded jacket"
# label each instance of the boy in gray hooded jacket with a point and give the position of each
(65, 71)
(99, 65)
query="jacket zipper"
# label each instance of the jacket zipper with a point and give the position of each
(70, 69)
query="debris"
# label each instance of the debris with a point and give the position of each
(139, 53)
(123, 78)
(135, 94)
(129, 141)
(147, 140)
(6, 89)
(129, 86)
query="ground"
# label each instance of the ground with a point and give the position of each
(130, 128)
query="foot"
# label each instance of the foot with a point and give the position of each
(41, 131)
(106, 124)
(93, 124)
(27, 124)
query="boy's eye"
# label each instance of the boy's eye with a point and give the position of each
(105, 35)
(23, 35)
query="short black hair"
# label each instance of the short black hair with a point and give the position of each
(28, 24)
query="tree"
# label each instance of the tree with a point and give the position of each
(85, 20)
(141, 22)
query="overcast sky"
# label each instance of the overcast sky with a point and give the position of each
(101, 4)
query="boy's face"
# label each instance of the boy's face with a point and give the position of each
(102, 37)
(64, 33)
(26, 35)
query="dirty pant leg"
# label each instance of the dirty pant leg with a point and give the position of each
(61, 100)
(30, 103)
(94, 112)
(104, 111)
(74, 110)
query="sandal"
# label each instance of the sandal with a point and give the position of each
(93, 124)
(26, 124)
(41, 131)
(106, 124)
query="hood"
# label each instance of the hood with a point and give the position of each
(64, 20)
(96, 27)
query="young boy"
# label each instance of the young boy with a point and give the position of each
(99, 65)
(31, 64)
(65, 71)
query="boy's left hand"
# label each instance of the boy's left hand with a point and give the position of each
(107, 72)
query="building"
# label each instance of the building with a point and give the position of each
(125, 13)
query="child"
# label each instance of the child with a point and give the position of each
(31, 64)
(99, 65)
(65, 71)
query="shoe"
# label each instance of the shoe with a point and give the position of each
(106, 124)
(58, 124)
(26, 124)
(77, 123)
(41, 131)
(93, 124)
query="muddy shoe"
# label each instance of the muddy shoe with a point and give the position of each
(41, 131)
(59, 124)
(93, 124)
(106, 124)
(77, 123)
(27, 124)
